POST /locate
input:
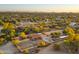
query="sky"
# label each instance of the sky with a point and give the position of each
(40, 7)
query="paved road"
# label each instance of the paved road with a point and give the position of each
(9, 48)
(49, 50)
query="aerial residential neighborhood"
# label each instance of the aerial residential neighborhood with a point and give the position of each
(23, 32)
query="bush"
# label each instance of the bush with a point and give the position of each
(56, 46)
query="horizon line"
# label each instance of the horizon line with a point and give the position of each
(38, 12)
